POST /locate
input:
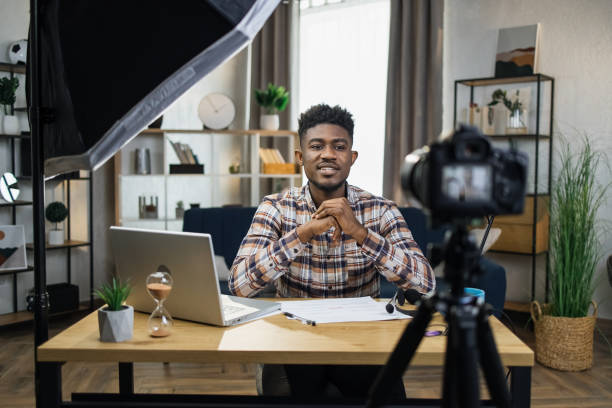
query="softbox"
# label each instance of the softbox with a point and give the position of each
(109, 68)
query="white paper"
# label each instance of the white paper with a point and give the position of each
(362, 309)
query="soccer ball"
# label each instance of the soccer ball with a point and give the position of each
(18, 52)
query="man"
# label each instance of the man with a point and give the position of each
(328, 239)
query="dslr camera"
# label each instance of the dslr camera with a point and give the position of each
(463, 176)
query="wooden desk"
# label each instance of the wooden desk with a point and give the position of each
(274, 339)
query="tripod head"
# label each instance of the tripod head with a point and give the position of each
(461, 256)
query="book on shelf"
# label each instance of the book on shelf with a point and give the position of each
(270, 155)
(184, 153)
(190, 156)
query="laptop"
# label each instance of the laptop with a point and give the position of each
(189, 258)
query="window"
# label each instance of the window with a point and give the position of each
(343, 58)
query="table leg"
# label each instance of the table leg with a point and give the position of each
(49, 385)
(126, 378)
(520, 386)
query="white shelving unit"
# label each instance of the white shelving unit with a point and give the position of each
(216, 150)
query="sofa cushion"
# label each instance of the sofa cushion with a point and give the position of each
(227, 226)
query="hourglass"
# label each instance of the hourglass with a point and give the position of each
(159, 285)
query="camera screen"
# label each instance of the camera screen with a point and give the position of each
(467, 182)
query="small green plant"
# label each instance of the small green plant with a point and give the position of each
(273, 99)
(114, 294)
(8, 87)
(501, 96)
(179, 204)
(56, 212)
(575, 247)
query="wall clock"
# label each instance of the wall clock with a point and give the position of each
(216, 111)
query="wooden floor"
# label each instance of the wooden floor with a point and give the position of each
(550, 388)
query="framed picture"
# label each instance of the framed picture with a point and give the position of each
(517, 51)
(12, 248)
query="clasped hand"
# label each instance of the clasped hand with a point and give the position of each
(335, 213)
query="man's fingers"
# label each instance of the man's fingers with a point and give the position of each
(328, 212)
(337, 230)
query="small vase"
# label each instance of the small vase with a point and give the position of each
(516, 122)
(116, 326)
(56, 237)
(269, 122)
(500, 115)
(10, 125)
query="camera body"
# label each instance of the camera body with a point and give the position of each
(464, 176)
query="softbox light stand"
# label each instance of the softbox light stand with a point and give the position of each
(79, 122)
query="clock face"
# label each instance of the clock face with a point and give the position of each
(216, 111)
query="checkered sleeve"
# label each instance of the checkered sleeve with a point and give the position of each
(264, 254)
(397, 256)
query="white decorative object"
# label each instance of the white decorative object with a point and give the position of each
(12, 248)
(216, 111)
(487, 124)
(55, 237)
(8, 187)
(269, 122)
(10, 125)
(18, 52)
(116, 326)
(500, 118)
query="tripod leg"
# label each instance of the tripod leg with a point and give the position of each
(450, 376)
(402, 354)
(464, 353)
(491, 363)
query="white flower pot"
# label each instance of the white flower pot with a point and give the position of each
(269, 122)
(10, 125)
(116, 326)
(56, 237)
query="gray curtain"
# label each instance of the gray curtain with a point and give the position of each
(274, 59)
(414, 85)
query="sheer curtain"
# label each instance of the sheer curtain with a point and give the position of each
(343, 58)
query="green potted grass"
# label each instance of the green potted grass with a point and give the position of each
(56, 212)
(8, 87)
(273, 99)
(115, 319)
(563, 329)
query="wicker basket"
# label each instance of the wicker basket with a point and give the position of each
(564, 343)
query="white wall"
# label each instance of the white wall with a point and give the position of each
(576, 49)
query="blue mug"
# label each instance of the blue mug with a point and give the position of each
(475, 293)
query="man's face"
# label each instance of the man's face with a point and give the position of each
(327, 157)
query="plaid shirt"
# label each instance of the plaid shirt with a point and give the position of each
(272, 251)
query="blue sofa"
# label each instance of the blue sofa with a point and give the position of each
(229, 225)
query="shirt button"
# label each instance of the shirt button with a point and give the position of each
(271, 265)
(295, 250)
(330, 287)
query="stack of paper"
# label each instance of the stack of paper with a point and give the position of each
(362, 309)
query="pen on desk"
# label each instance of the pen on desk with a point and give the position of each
(304, 321)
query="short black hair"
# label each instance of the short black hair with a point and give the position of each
(322, 113)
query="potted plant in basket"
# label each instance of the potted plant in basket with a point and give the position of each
(8, 86)
(56, 212)
(273, 99)
(115, 320)
(563, 329)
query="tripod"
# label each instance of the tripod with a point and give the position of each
(470, 339)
